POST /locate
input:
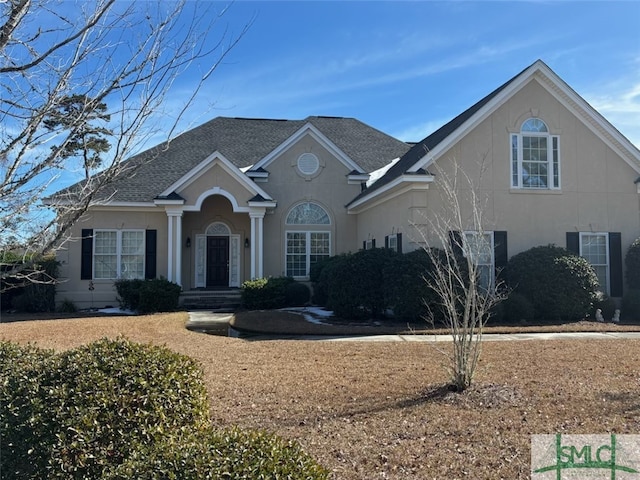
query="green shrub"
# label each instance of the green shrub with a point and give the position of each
(27, 425)
(356, 288)
(559, 284)
(265, 293)
(321, 274)
(405, 286)
(159, 295)
(39, 294)
(632, 264)
(96, 405)
(128, 293)
(231, 454)
(518, 308)
(630, 309)
(296, 294)
(148, 296)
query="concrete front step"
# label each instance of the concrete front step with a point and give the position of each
(219, 300)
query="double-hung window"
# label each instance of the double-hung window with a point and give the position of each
(118, 254)
(308, 238)
(595, 248)
(480, 248)
(535, 157)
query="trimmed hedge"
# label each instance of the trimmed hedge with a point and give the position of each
(115, 409)
(632, 263)
(35, 296)
(356, 285)
(148, 296)
(231, 454)
(266, 293)
(630, 309)
(559, 284)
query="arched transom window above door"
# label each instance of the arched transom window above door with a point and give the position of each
(218, 228)
(308, 238)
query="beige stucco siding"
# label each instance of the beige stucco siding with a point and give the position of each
(329, 188)
(597, 186)
(72, 287)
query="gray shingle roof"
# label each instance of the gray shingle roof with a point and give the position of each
(244, 142)
(421, 148)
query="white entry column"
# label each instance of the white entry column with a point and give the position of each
(257, 241)
(174, 245)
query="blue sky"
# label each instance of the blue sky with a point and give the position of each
(406, 68)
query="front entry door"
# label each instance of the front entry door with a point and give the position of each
(217, 261)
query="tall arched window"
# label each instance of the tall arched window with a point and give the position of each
(308, 238)
(535, 157)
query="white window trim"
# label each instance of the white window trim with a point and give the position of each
(492, 266)
(118, 251)
(608, 264)
(308, 249)
(550, 162)
(393, 237)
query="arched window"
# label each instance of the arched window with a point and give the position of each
(306, 246)
(535, 157)
(308, 214)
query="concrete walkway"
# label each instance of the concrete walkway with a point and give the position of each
(218, 323)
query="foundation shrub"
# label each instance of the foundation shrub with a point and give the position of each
(607, 305)
(231, 453)
(148, 296)
(128, 293)
(630, 310)
(265, 293)
(297, 294)
(320, 276)
(632, 264)
(405, 286)
(517, 309)
(559, 284)
(159, 295)
(356, 287)
(37, 295)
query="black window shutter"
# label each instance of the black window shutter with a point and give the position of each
(86, 259)
(500, 253)
(615, 264)
(386, 241)
(150, 253)
(373, 243)
(456, 241)
(399, 242)
(573, 242)
(364, 244)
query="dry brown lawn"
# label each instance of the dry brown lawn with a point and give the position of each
(379, 410)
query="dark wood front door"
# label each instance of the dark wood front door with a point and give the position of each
(217, 261)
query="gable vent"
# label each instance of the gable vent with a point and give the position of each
(308, 163)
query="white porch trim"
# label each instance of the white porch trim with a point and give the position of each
(174, 245)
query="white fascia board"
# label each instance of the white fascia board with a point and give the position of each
(226, 165)
(385, 193)
(257, 174)
(270, 204)
(356, 179)
(163, 202)
(309, 129)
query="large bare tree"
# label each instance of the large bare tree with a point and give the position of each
(86, 84)
(453, 235)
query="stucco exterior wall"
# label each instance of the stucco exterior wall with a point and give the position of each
(69, 255)
(329, 188)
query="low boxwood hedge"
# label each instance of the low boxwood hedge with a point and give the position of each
(117, 409)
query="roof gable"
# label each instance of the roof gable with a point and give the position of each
(425, 152)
